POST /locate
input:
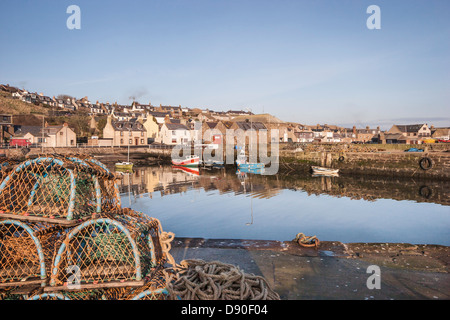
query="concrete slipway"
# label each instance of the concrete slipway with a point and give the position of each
(335, 271)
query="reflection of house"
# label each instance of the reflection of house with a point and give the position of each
(174, 133)
(124, 133)
(50, 136)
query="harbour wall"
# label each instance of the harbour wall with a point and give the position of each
(396, 164)
(378, 160)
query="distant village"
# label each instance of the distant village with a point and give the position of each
(145, 124)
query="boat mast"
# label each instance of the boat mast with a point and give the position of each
(129, 134)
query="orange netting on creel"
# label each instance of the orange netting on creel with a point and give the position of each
(153, 289)
(26, 251)
(58, 187)
(6, 165)
(114, 248)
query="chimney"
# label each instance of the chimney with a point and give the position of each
(354, 130)
(167, 119)
(367, 128)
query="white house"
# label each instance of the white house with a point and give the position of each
(175, 133)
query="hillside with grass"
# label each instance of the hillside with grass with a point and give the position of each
(29, 114)
(264, 118)
(9, 105)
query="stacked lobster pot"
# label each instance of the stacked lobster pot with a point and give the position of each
(64, 235)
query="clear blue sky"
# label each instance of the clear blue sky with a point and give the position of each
(306, 61)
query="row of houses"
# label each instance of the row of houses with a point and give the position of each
(158, 127)
(123, 112)
(143, 124)
(49, 136)
(154, 128)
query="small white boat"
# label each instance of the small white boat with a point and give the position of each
(189, 161)
(324, 171)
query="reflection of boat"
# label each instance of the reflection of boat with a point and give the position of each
(244, 170)
(124, 166)
(188, 170)
(325, 175)
(188, 161)
(212, 163)
(242, 162)
(324, 171)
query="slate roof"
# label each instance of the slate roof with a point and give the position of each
(244, 125)
(409, 127)
(132, 125)
(176, 126)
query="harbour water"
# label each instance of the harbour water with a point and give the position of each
(220, 204)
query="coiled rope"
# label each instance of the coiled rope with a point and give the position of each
(307, 242)
(200, 280)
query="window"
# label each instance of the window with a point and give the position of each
(174, 132)
(61, 133)
(121, 133)
(121, 141)
(174, 140)
(142, 133)
(142, 141)
(130, 141)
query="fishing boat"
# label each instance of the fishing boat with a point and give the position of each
(324, 171)
(188, 161)
(242, 162)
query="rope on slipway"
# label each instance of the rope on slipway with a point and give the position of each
(215, 280)
(306, 241)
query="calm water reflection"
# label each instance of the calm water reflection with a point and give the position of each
(220, 204)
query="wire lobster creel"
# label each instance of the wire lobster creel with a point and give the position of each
(153, 289)
(49, 296)
(6, 165)
(58, 189)
(115, 250)
(26, 252)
